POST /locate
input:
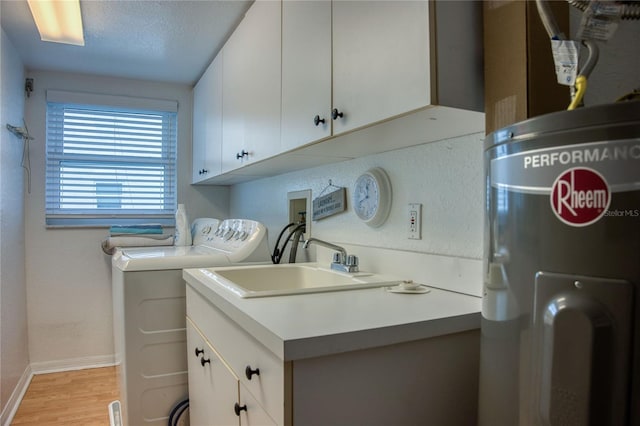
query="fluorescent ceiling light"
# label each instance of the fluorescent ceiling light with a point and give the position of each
(58, 20)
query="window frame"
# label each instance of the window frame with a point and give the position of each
(166, 163)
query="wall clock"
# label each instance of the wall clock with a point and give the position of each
(372, 197)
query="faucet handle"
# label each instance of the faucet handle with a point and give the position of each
(337, 257)
(352, 260)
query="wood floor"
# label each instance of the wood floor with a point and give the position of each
(70, 398)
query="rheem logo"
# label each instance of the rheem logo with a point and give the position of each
(580, 196)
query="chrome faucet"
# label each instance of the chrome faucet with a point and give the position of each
(341, 261)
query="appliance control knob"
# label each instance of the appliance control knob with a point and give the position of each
(227, 235)
(245, 235)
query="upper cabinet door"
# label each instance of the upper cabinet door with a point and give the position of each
(252, 89)
(306, 72)
(198, 131)
(381, 60)
(207, 123)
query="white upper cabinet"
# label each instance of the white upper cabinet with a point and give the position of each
(310, 82)
(252, 90)
(306, 72)
(207, 123)
(368, 60)
(233, 99)
(381, 61)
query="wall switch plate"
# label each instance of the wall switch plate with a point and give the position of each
(414, 221)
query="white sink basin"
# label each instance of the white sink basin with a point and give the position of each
(278, 280)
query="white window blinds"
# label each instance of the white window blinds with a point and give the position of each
(109, 164)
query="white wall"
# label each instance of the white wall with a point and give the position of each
(68, 275)
(445, 176)
(14, 355)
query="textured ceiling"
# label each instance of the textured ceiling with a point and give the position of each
(169, 40)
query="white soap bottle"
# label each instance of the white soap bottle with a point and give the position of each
(183, 233)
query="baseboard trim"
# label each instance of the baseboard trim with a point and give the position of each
(9, 412)
(71, 364)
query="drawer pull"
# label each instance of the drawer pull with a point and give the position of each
(204, 361)
(237, 408)
(199, 351)
(249, 372)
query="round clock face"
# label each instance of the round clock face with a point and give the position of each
(372, 197)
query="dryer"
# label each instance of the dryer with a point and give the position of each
(149, 312)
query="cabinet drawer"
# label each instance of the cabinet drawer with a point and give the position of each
(240, 350)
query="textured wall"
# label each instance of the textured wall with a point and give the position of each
(14, 355)
(445, 176)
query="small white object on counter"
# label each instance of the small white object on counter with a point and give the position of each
(408, 287)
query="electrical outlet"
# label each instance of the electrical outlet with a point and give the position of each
(414, 221)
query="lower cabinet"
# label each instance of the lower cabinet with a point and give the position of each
(213, 388)
(216, 396)
(430, 381)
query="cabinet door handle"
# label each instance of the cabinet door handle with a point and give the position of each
(242, 154)
(317, 120)
(249, 372)
(335, 114)
(203, 172)
(199, 351)
(204, 361)
(237, 408)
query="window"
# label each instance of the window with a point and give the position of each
(109, 164)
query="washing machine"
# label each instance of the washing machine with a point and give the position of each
(149, 311)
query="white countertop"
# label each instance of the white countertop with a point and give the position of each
(309, 325)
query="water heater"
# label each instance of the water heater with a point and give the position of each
(561, 306)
